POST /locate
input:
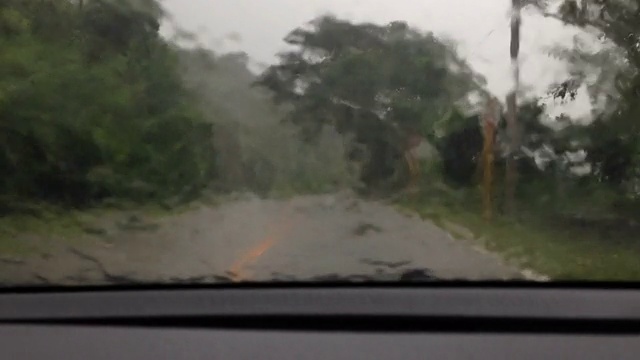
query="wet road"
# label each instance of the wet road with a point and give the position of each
(307, 237)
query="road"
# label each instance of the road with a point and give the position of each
(319, 237)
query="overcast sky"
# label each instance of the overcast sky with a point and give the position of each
(480, 27)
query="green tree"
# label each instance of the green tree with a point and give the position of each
(378, 83)
(92, 105)
(255, 149)
(615, 134)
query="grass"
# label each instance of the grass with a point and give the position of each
(24, 229)
(44, 222)
(558, 250)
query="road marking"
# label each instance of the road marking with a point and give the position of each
(276, 232)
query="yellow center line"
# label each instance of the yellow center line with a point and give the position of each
(277, 231)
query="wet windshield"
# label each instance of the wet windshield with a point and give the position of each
(215, 141)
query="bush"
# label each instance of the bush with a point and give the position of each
(80, 122)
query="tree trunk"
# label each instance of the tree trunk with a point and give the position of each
(489, 124)
(513, 130)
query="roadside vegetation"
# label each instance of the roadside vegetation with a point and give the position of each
(93, 107)
(577, 206)
(553, 245)
(100, 113)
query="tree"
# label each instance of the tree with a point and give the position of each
(255, 149)
(92, 105)
(378, 83)
(615, 134)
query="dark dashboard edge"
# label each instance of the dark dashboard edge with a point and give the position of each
(507, 284)
(354, 324)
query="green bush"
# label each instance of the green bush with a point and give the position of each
(89, 111)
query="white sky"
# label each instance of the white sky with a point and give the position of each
(481, 28)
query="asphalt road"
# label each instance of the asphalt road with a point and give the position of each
(327, 237)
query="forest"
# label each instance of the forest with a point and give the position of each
(96, 105)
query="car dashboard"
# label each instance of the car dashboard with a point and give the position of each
(321, 323)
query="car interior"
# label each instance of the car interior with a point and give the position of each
(328, 321)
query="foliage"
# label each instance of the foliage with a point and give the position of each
(92, 105)
(573, 226)
(561, 248)
(611, 70)
(375, 83)
(255, 149)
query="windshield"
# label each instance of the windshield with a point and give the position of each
(221, 141)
